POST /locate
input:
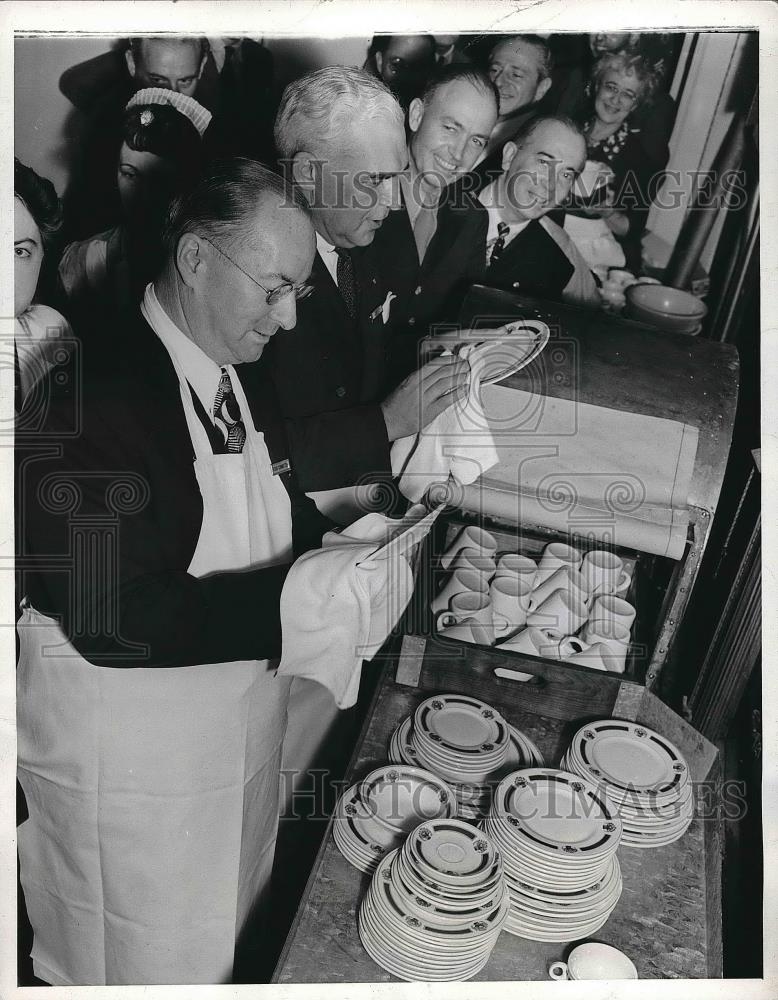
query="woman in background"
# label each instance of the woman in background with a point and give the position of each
(38, 329)
(610, 233)
(160, 154)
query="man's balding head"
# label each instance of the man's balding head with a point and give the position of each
(171, 63)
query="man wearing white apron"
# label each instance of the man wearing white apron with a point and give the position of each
(150, 722)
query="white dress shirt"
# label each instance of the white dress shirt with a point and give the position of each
(200, 371)
(327, 253)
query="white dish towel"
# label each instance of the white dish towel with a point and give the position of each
(456, 444)
(340, 602)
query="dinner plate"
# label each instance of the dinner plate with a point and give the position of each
(556, 813)
(630, 758)
(465, 727)
(402, 797)
(453, 853)
(521, 343)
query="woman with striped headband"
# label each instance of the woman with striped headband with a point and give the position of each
(160, 155)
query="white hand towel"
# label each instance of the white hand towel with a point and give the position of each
(340, 602)
(456, 444)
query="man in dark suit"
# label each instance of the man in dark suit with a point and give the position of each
(436, 246)
(340, 135)
(525, 250)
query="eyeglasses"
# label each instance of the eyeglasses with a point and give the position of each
(626, 98)
(272, 295)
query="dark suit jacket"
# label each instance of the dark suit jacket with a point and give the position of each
(118, 421)
(531, 264)
(430, 292)
(329, 374)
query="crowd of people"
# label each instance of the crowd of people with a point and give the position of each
(200, 222)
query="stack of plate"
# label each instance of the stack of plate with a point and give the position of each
(435, 907)
(642, 773)
(558, 837)
(467, 743)
(374, 816)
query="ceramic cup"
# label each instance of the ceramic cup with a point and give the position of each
(560, 614)
(462, 581)
(476, 560)
(609, 607)
(477, 606)
(468, 630)
(597, 657)
(564, 648)
(511, 564)
(621, 278)
(603, 572)
(612, 634)
(556, 554)
(593, 960)
(564, 578)
(510, 601)
(529, 640)
(470, 537)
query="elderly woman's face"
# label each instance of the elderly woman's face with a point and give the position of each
(617, 95)
(143, 179)
(28, 257)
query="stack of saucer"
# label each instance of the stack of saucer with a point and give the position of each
(643, 773)
(373, 816)
(558, 837)
(451, 735)
(436, 906)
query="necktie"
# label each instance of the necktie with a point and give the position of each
(347, 282)
(227, 414)
(498, 244)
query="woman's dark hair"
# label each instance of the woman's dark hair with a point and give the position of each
(164, 131)
(41, 200)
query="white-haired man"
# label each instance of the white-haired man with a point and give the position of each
(527, 252)
(341, 138)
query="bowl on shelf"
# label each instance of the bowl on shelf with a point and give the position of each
(665, 307)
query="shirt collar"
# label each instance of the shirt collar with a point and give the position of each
(487, 199)
(200, 371)
(327, 253)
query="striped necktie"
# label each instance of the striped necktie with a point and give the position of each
(497, 245)
(226, 412)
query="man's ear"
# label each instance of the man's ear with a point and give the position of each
(379, 62)
(305, 171)
(415, 114)
(508, 152)
(189, 261)
(130, 58)
(542, 89)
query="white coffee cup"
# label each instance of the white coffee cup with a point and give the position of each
(529, 640)
(462, 581)
(603, 572)
(564, 578)
(510, 601)
(513, 564)
(612, 634)
(468, 630)
(609, 607)
(476, 560)
(593, 960)
(564, 648)
(560, 614)
(477, 606)
(556, 554)
(470, 537)
(597, 657)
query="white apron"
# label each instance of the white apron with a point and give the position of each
(153, 792)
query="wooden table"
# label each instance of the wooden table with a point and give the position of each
(662, 920)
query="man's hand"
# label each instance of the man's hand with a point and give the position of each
(420, 397)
